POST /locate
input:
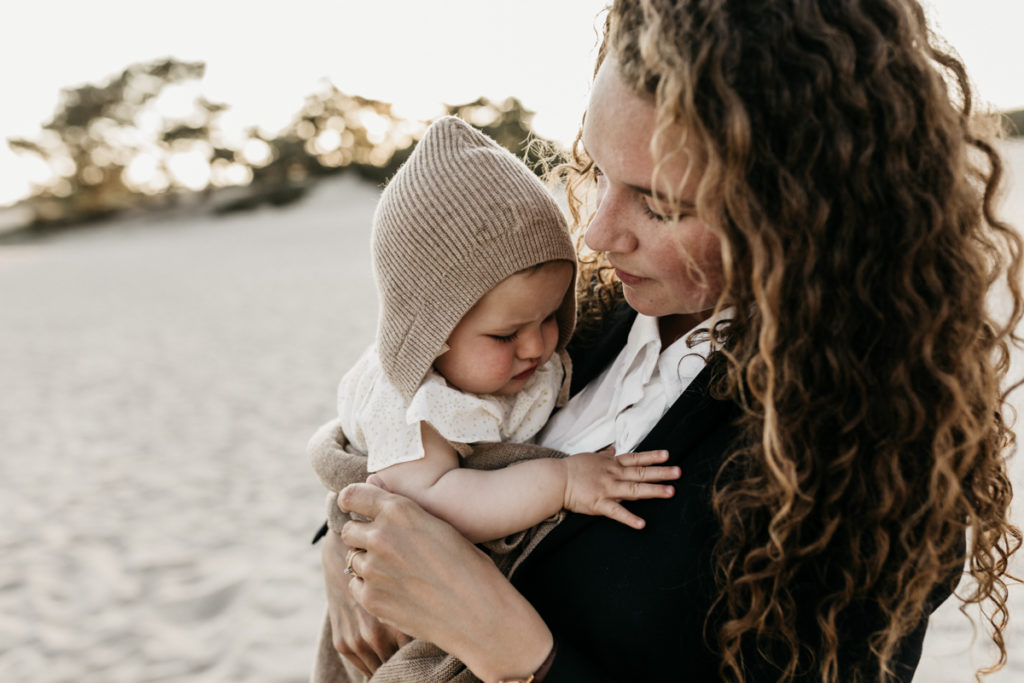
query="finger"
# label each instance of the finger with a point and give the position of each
(363, 499)
(635, 490)
(643, 458)
(615, 511)
(358, 564)
(346, 645)
(401, 638)
(380, 637)
(357, 587)
(367, 656)
(649, 473)
(357, 662)
(355, 534)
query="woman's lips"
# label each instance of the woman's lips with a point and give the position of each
(525, 373)
(628, 278)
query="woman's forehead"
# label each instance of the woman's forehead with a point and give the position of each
(618, 129)
(619, 124)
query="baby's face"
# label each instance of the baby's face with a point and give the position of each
(508, 334)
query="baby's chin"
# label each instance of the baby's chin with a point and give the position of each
(493, 388)
(512, 387)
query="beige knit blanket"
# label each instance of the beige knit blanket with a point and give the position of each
(337, 466)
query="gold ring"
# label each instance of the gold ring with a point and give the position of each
(349, 569)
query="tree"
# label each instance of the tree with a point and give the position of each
(510, 124)
(95, 135)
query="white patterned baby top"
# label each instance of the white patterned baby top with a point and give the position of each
(378, 422)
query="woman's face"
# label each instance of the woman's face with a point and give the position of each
(670, 267)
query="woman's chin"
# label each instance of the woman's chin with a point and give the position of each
(642, 304)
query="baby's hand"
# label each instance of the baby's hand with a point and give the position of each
(596, 482)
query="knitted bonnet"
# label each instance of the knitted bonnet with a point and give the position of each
(460, 215)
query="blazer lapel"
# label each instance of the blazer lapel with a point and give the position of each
(589, 362)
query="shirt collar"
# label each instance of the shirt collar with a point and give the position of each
(679, 362)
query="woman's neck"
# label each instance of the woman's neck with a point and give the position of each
(672, 327)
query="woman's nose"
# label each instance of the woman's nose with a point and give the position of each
(609, 229)
(531, 343)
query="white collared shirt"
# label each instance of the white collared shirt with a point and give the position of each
(624, 403)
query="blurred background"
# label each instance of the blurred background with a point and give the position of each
(185, 199)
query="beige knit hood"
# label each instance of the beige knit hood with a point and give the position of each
(460, 216)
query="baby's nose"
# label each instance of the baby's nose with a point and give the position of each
(531, 344)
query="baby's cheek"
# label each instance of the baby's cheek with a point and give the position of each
(550, 336)
(503, 365)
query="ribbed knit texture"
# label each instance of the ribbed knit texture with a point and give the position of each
(460, 216)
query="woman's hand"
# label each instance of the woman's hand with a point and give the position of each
(421, 577)
(357, 635)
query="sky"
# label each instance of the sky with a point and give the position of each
(263, 57)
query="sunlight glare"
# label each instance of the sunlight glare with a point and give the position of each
(376, 125)
(62, 166)
(417, 109)
(14, 187)
(177, 101)
(224, 173)
(257, 152)
(149, 123)
(328, 141)
(141, 170)
(231, 129)
(190, 169)
(35, 171)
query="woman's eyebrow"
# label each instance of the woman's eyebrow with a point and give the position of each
(645, 191)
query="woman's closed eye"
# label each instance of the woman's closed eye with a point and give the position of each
(654, 214)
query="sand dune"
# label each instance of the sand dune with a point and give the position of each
(160, 378)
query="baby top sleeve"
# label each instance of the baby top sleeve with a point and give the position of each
(379, 423)
(372, 414)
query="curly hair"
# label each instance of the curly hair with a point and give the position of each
(852, 187)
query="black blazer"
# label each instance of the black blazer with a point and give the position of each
(628, 605)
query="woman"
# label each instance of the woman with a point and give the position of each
(805, 166)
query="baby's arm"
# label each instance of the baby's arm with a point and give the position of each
(488, 504)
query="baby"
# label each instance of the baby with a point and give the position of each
(475, 270)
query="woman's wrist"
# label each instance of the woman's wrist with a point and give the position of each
(541, 673)
(511, 642)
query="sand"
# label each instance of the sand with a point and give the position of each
(159, 378)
